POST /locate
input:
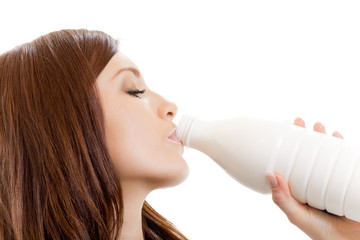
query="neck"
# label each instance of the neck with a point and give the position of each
(133, 199)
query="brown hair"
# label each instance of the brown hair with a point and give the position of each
(56, 177)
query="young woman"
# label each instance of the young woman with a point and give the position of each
(83, 141)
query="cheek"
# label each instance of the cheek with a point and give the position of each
(128, 145)
(139, 152)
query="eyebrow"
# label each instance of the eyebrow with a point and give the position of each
(132, 69)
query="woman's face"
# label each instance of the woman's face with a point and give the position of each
(138, 126)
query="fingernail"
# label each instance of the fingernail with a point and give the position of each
(271, 179)
(299, 121)
(320, 126)
(337, 134)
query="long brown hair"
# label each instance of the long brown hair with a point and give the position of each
(56, 177)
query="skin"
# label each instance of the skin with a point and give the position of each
(137, 130)
(317, 224)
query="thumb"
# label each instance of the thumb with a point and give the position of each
(312, 221)
(296, 212)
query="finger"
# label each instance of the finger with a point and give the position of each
(337, 134)
(299, 122)
(318, 127)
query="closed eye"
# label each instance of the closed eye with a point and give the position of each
(136, 92)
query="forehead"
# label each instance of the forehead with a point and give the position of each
(118, 61)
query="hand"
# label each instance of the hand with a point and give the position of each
(317, 224)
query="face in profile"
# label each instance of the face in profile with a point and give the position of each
(139, 128)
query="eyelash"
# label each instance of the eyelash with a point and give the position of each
(136, 92)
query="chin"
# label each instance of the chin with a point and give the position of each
(174, 176)
(181, 177)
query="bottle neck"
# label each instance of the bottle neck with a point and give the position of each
(195, 133)
(185, 128)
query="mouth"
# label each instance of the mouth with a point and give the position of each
(173, 138)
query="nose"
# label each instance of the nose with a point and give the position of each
(167, 110)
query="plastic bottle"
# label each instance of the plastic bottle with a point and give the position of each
(323, 171)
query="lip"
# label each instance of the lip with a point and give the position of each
(173, 138)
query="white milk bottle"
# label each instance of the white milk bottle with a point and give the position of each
(323, 171)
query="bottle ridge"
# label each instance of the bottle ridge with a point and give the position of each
(323, 171)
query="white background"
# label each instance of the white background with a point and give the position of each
(222, 59)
